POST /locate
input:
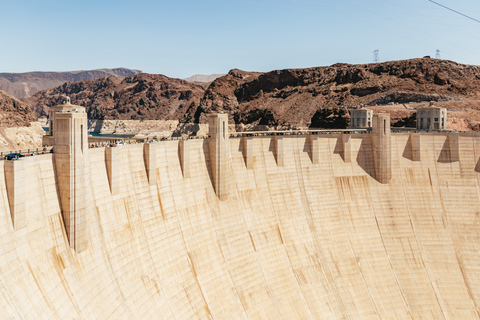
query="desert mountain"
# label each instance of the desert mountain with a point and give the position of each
(22, 85)
(299, 97)
(291, 97)
(137, 97)
(13, 112)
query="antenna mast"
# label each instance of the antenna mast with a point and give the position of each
(375, 56)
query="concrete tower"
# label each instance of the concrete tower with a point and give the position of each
(361, 118)
(431, 118)
(219, 153)
(68, 135)
(382, 151)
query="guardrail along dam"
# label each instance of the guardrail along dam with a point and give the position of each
(373, 225)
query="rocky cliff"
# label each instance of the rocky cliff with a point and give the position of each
(13, 112)
(26, 84)
(297, 97)
(17, 127)
(138, 97)
(312, 97)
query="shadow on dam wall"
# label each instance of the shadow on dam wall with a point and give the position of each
(300, 240)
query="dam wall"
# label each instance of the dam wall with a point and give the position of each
(312, 236)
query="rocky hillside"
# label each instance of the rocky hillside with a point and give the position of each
(137, 97)
(14, 113)
(314, 97)
(18, 129)
(22, 85)
(298, 97)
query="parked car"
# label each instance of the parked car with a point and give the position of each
(14, 156)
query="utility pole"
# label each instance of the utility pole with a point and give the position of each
(437, 54)
(375, 56)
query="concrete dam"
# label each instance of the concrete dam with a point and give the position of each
(373, 225)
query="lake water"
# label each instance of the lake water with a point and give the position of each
(117, 136)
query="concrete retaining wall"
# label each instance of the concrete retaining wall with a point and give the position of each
(308, 239)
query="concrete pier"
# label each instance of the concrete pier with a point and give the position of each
(313, 146)
(112, 164)
(247, 144)
(69, 133)
(415, 144)
(16, 191)
(279, 154)
(150, 158)
(453, 147)
(346, 147)
(381, 145)
(184, 156)
(219, 153)
(382, 149)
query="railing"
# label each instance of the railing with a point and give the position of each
(295, 132)
(119, 141)
(116, 142)
(27, 152)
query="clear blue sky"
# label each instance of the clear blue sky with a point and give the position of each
(181, 38)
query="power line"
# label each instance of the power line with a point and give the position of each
(433, 20)
(441, 5)
(409, 27)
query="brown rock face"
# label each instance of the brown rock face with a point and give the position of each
(26, 84)
(138, 97)
(312, 97)
(14, 113)
(298, 97)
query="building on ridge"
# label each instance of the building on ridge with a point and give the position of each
(431, 118)
(361, 118)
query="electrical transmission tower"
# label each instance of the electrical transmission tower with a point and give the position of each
(437, 54)
(375, 56)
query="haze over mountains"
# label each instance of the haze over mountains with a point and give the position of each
(26, 84)
(203, 77)
(290, 97)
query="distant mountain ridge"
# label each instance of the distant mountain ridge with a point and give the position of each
(204, 77)
(26, 84)
(290, 98)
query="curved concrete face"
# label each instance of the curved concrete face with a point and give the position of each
(307, 239)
